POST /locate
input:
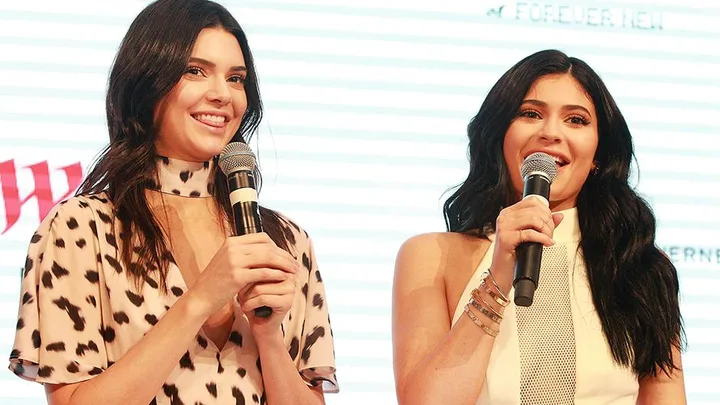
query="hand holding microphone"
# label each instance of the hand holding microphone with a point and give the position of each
(538, 172)
(237, 162)
(522, 230)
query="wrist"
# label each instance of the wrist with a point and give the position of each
(502, 279)
(269, 341)
(194, 306)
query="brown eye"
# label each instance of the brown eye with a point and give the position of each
(193, 70)
(530, 114)
(578, 120)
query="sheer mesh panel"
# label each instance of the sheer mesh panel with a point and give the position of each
(546, 336)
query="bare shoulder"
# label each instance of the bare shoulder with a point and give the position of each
(431, 271)
(442, 251)
(441, 260)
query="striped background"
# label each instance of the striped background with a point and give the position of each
(367, 103)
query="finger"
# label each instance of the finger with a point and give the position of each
(530, 235)
(274, 289)
(275, 302)
(536, 199)
(251, 239)
(531, 200)
(248, 277)
(557, 218)
(533, 220)
(272, 257)
(269, 288)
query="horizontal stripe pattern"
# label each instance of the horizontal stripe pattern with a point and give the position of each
(367, 104)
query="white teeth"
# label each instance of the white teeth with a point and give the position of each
(213, 119)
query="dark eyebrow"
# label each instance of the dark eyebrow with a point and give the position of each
(201, 61)
(568, 107)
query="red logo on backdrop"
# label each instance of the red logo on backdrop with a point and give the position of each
(42, 191)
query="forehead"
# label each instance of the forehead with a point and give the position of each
(217, 45)
(559, 90)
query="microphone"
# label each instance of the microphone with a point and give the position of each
(237, 161)
(538, 172)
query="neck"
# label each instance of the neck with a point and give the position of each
(556, 206)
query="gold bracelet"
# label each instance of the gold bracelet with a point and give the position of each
(492, 280)
(492, 316)
(479, 323)
(478, 298)
(499, 298)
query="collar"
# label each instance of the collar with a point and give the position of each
(185, 179)
(569, 229)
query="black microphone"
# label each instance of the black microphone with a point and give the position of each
(238, 162)
(538, 172)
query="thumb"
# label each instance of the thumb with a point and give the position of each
(557, 218)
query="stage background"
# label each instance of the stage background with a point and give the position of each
(366, 107)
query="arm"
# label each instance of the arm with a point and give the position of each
(294, 376)
(137, 377)
(283, 384)
(664, 389)
(434, 363)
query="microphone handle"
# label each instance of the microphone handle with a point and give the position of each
(527, 272)
(246, 215)
(528, 255)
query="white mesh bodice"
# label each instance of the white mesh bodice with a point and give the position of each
(553, 352)
(546, 337)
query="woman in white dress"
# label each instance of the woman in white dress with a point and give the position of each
(605, 325)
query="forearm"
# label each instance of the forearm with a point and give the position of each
(283, 383)
(454, 372)
(139, 375)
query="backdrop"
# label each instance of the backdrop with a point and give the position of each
(366, 107)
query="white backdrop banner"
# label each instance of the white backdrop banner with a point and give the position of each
(366, 107)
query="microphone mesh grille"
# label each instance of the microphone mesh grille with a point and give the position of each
(236, 156)
(539, 162)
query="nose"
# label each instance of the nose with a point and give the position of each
(219, 92)
(551, 131)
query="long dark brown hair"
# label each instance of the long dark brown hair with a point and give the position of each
(151, 59)
(634, 285)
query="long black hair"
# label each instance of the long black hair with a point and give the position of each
(634, 285)
(151, 59)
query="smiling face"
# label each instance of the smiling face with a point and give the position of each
(204, 110)
(556, 117)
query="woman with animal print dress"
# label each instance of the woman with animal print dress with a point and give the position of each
(135, 291)
(605, 325)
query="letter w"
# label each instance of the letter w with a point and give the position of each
(42, 191)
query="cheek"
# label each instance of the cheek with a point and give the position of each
(240, 105)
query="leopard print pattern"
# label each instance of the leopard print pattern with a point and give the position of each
(79, 312)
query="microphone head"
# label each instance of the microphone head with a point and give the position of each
(539, 163)
(236, 156)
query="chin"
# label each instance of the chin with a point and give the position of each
(210, 148)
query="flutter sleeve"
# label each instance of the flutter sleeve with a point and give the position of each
(59, 334)
(316, 360)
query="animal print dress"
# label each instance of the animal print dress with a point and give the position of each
(79, 312)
